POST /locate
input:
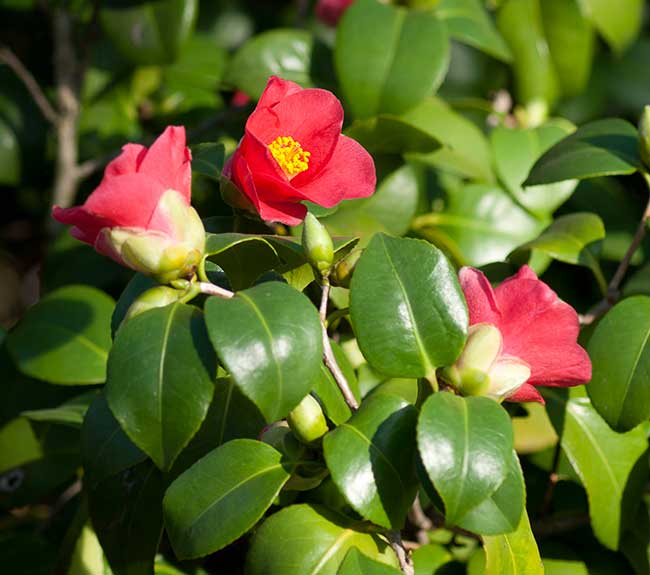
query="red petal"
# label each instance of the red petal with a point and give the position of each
(289, 214)
(542, 330)
(276, 89)
(311, 117)
(480, 297)
(86, 225)
(169, 161)
(349, 174)
(330, 11)
(526, 393)
(126, 201)
(127, 162)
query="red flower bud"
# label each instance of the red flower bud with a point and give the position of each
(330, 11)
(293, 151)
(538, 331)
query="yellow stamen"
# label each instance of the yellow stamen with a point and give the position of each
(289, 155)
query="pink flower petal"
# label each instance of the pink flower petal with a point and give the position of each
(128, 162)
(526, 393)
(481, 301)
(276, 89)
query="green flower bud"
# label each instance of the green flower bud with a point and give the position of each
(342, 273)
(307, 421)
(159, 296)
(317, 244)
(644, 136)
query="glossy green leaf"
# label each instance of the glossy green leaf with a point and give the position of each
(371, 459)
(222, 496)
(466, 447)
(356, 563)
(520, 23)
(159, 384)
(465, 150)
(619, 388)
(286, 53)
(514, 553)
(150, 32)
(391, 134)
(570, 38)
(601, 148)
(70, 413)
(137, 285)
(515, 152)
(611, 466)
(65, 337)
(573, 239)
(374, 59)
(126, 513)
(105, 448)
(619, 23)
(208, 159)
(406, 307)
(468, 22)
(269, 339)
(501, 512)
(321, 539)
(481, 224)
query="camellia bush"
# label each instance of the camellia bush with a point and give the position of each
(324, 288)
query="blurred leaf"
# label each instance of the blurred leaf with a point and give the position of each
(468, 22)
(390, 134)
(515, 152)
(570, 40)
(65, 337)
(619, 388)
(481, 224)
(520, 23)
(18, 444)
(465, 150)
(514, 553)
(27, 553)
(619, 23)
(286, 53)
(88, 556)
(427, 559)
(601, 148)
(611, 466)
(356, 563)
(150, 32)
(269, 339)
(10, 166)
(533, 432)
(201, 517)
(169, 342)
(374, 59)
(371, 458)
(70, 413)
(466, 448)
(321, 539)
(208, 159)
(406, 307)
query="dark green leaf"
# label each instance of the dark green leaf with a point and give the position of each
(137, 286)
(466, 448)
(514, 553)
(65, 337)
(286, 53)
(356, 563)
(207, 159)
(374, 59)
(388, 134)
(601, 148)
(468, 22)
(70, 413)
(406, 306)
(9, 156)
(159, 384)
(222, 496)
(269, 339)
(371, 459)
(150, 32)
(619, 388)
(320, 540)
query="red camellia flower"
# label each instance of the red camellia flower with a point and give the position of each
(140, 214)
(521, 335)
(330, 11)
(293, 151)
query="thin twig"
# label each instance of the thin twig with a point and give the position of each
(421, 520)
(328, 353)
(26, 77)
(613, 290)
(405, 563)
(211, 289)
(553, 478)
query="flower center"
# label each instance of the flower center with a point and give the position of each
(289, 155)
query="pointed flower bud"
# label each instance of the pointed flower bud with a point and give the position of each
(644, 136)
(307, 421)
(317, 243)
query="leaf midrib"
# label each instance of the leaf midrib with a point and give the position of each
(628, 383)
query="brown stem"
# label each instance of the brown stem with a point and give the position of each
(25, 76)
(405, 563)
(613, 290)
(328, 353)
(211, 289)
